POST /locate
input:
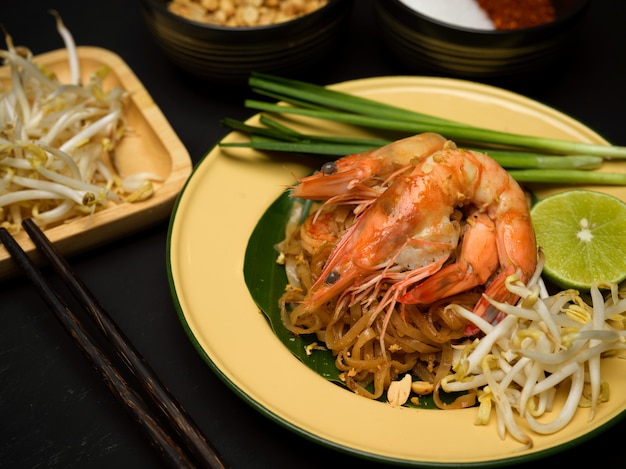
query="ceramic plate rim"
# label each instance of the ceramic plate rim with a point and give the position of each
(236, 361)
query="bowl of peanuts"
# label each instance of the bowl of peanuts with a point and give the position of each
(479, 39)
(224, 41)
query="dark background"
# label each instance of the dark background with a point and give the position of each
(54, 412)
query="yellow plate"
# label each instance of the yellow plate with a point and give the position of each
(151, 146)
(209, 230)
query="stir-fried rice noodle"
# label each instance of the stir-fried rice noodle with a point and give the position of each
(415, 338)
(546, 341)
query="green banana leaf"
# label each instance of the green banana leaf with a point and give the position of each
(266, 281)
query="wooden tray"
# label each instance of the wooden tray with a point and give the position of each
(151, 145)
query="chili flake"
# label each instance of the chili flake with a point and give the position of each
(517, 14)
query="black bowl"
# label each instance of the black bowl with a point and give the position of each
(423, 43)
(228, 55)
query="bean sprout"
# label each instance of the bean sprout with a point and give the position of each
(54, 138)
(544, 342)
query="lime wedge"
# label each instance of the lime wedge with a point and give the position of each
(583, 236)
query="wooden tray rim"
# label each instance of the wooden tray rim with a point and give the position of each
(118, 220)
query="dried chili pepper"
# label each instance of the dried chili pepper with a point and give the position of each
(517, 14)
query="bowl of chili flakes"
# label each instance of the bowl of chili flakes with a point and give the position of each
(479, 39)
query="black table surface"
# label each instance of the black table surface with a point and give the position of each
(54, 411)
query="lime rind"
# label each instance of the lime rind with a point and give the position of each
(583, 236)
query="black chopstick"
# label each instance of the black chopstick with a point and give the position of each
(204, 454)
(133, 402)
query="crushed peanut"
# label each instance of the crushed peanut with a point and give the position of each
(399, 391)
(243, 13)
(422, 388)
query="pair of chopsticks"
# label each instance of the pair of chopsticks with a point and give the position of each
(199, 452)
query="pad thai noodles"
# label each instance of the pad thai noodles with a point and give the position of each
(405, 230)
(417, 339)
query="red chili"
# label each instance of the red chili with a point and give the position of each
(517, 14)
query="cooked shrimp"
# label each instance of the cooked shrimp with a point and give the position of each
(476, 263)
(324, 228)
(354, 177)
(409, 232)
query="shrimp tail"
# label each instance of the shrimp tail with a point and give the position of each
(497, 289)
(452, 279)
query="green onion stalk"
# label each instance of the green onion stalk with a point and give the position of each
(529, 158)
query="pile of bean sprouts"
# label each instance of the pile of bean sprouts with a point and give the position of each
(546, 341)
(53, 141)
